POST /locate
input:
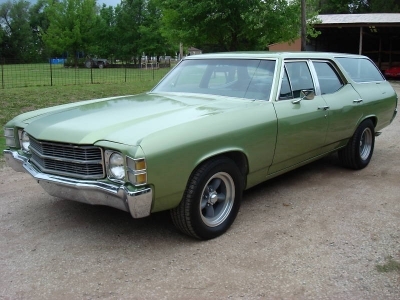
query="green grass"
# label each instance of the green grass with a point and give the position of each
(2, 147)
(390, 266)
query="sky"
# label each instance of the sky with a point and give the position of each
(109, 2)
(100, 2)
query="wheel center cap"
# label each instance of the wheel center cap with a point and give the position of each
(213, 198)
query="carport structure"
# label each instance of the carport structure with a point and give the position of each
(374, 35)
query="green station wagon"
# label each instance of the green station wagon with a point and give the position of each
(217, 124)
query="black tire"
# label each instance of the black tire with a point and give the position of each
(358, 151)
(101, 65)
(211, 200)
(88, 64)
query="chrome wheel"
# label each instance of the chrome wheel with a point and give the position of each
(358, 151)
(366, 143)
(211, 200)
(217, 199)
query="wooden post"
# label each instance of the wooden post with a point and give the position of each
(181, 50)
(303, 25)
(361, 41)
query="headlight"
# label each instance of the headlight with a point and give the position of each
(9, 135)
(25, 141)
(116, 166)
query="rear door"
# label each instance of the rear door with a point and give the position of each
(345, 104)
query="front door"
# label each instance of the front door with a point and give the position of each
(302, 121)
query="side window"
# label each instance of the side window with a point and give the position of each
(299, 77)
(329, 80)
(361, 69)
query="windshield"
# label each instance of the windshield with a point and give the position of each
(241, 78)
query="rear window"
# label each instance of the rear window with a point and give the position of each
(361, 69)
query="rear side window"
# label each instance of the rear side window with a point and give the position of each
(361, 69)
(329, 81)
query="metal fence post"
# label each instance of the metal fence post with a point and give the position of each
(125, 70)
(51, 73)
(91, 74)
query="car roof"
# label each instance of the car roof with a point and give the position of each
(273, 55)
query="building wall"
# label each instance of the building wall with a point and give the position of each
(294, 46)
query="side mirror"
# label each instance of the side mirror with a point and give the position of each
(307, 94)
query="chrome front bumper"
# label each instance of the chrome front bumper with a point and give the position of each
(137, 202)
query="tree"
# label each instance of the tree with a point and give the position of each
(17, 34)
(358, 6)
(39, 23)
(230, 25)
(151, 41)
(106, 39)
(72, 26)
(380, 6)
(334, 6)
(129, 17)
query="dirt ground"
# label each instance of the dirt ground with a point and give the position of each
(319, 232)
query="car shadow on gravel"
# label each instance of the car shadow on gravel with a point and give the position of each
(114, 222)
(326, 166)
(110, 223)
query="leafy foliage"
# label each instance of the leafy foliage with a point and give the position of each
(358, 6)
(17, 39)
(133, 28)
(72, 25)
(229, 25)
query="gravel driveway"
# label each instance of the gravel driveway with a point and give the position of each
(319, 232)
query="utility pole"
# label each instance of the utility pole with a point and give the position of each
(303, 25)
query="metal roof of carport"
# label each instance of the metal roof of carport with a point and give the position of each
(386, 19)
(377, 35)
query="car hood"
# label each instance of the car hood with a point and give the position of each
(124, 120)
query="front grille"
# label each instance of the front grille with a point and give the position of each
(84, 162)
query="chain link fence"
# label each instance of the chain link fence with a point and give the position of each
(55, 72)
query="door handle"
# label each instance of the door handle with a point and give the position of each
(323, 107)
(358, 100)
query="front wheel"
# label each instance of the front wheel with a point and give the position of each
(358, 152)
(211, 200)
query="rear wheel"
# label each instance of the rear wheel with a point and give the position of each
(358, 152)
(211, 200)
